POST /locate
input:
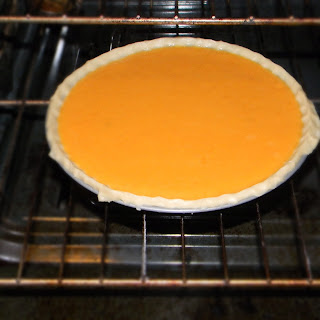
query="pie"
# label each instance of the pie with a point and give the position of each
(181, 124)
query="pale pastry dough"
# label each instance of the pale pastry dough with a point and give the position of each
(308, 141)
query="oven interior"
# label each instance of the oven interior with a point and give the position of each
(54, 233)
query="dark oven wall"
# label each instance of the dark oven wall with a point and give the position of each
(53, 233)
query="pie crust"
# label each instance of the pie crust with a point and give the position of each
(308, 141)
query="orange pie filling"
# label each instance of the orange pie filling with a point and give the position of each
(180, 123)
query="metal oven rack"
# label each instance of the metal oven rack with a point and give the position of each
(53, 233)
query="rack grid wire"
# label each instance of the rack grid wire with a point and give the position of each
(53, 233)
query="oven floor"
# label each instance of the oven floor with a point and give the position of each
(163, 306)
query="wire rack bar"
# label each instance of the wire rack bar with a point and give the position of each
(228, 7)
(263, 245)
(202, 9)
(223, 251)
(144, 249)
(212, 9)
(27, 103)
(258, 31)
(151, 8)
(183, 251)
(104, 240)
(102, 6)
(291, 21)
(65, 236)
(158, 283)
(176, 9)
(289, 44)
(299, 232)
(139, 9)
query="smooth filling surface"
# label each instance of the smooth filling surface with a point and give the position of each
(180, 123)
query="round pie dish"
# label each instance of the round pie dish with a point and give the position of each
(307, 140)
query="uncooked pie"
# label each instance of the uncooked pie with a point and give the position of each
(181, 124)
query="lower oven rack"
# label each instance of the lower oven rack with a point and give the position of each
(152, 251)
(53, 233)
